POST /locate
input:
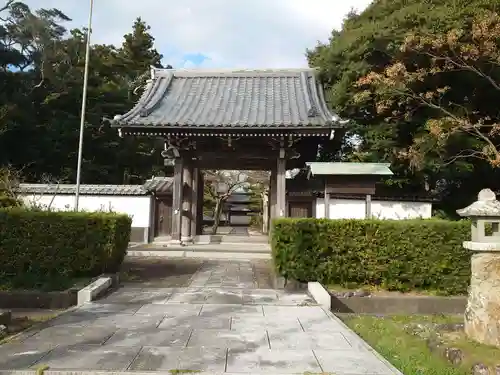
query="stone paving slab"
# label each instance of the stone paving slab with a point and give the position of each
(91, 357)
(288, 324)
(231, 310)
(352, 362)
(272, 362)
(72, 335)
(283, 339)
(177, 338)
(195, 327)
(184, 359)
(174, 310)
(244, 340)
(20, 355)
(198, 322)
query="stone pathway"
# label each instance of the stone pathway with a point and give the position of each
(218, 322)
(239, 231)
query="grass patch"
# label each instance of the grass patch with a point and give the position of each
(411, 354)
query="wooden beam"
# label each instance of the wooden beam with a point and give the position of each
(177, 200)
(186, 201)
(281, 187)
(194, 201)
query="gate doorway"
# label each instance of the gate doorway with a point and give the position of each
(163, 216)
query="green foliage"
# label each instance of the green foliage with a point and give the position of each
(7, 201)
(39, 246)
(41, 82)
(399, 255)
(370, 42)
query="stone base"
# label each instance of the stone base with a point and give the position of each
(186, 240)
(482, 315)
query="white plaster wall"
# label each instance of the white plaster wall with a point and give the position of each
(355, 209)
(138, 207)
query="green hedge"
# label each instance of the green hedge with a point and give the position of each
(399, 255)
(37, 246)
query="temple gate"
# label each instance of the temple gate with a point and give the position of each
(271, 120)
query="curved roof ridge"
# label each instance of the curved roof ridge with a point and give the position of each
(279, 98)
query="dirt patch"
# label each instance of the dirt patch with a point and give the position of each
(158, 272)
(367, 291)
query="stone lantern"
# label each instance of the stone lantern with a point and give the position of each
(482, 315)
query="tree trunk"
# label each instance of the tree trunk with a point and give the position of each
(217, 213)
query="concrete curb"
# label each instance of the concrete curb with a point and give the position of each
(320, 294)
(93, 290)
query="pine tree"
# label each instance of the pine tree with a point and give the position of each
(138, 52)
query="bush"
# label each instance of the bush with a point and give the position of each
(39, 246)
(396, 255)
(7, 201)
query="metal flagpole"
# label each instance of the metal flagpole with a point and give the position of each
(84, 104)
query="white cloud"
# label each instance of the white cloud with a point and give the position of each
(253, 34)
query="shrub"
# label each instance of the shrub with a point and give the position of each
(397, 255)
(7, 201)
(37, 246)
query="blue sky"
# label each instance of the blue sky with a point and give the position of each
(216, 33)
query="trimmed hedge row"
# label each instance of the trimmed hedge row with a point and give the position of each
(400, 255)
(36, 246)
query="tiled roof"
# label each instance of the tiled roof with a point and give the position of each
(156, 184)
(273, 99)
(84, 189)
(338, 169)
(159, 184)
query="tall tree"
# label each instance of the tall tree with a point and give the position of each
(41, 71)
(370, 42)
(138, 54)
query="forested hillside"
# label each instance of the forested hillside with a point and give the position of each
(420, 81)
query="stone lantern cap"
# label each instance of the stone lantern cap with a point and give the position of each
(486, 205)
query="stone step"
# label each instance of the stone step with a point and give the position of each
(220, 248)
(199, 253)
(245, 239)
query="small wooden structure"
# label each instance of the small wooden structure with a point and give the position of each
(349, 178)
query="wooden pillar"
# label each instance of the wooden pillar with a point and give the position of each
(368, 206)
(177, 190)
(199, 212)
(273, 195)
(326, 201)
(186, 201)
(194, 202)
(281, 185)
(265, 212)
